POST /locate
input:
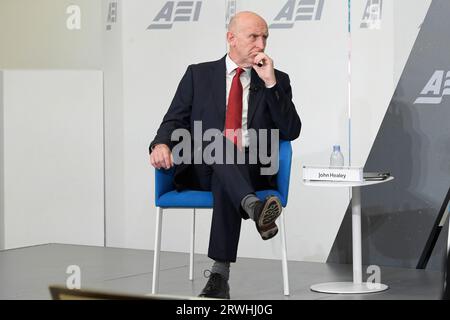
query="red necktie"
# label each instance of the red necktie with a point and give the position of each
(233, 120)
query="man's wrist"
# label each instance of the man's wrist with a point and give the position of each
(154, 146)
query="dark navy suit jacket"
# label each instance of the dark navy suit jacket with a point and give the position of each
(200, 96)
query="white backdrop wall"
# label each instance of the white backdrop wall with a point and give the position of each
(372, 78)
(114, 124)
(379, 55)
(154, 61)
(314, 53)
(153, 64)
(145, 47)
(408, 19)
(52, 157)
(314, 50)
(52, 147)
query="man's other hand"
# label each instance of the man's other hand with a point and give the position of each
(161, 157)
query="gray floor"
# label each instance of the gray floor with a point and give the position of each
(26, 273)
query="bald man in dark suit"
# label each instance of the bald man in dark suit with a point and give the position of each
(241, 91)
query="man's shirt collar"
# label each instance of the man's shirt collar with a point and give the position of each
(231, 66)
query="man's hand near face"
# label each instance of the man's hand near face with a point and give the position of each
(266, 71)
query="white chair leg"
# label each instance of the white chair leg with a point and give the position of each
(284, 255)
(156, 266)
(191, 255)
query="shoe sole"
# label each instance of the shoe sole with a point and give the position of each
(271, 211)
(270, 232)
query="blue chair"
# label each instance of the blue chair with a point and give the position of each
(167, 197)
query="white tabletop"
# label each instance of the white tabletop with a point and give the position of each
(317, 183)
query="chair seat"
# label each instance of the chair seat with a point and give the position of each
(185, 199)
(166, 197)
(201, 199)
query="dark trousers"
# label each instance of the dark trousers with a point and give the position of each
(229, 184)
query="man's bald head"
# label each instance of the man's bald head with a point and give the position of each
(243, 19)
(246, 36)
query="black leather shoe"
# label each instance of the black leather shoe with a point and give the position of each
(216, 287)
(266, 212)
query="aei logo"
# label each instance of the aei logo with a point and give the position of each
(434, 90)
(112, 15)
(372, 15)
(175, 11)
(293, 11)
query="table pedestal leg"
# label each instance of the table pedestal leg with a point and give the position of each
(356, 235)
(357, 286)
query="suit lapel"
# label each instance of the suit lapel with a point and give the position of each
(255, 95)
(218, 80)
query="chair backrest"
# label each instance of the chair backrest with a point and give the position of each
(164, 178)
(284, 170)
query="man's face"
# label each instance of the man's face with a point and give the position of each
(248, 40)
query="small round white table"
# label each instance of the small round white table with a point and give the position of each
(357, 286)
